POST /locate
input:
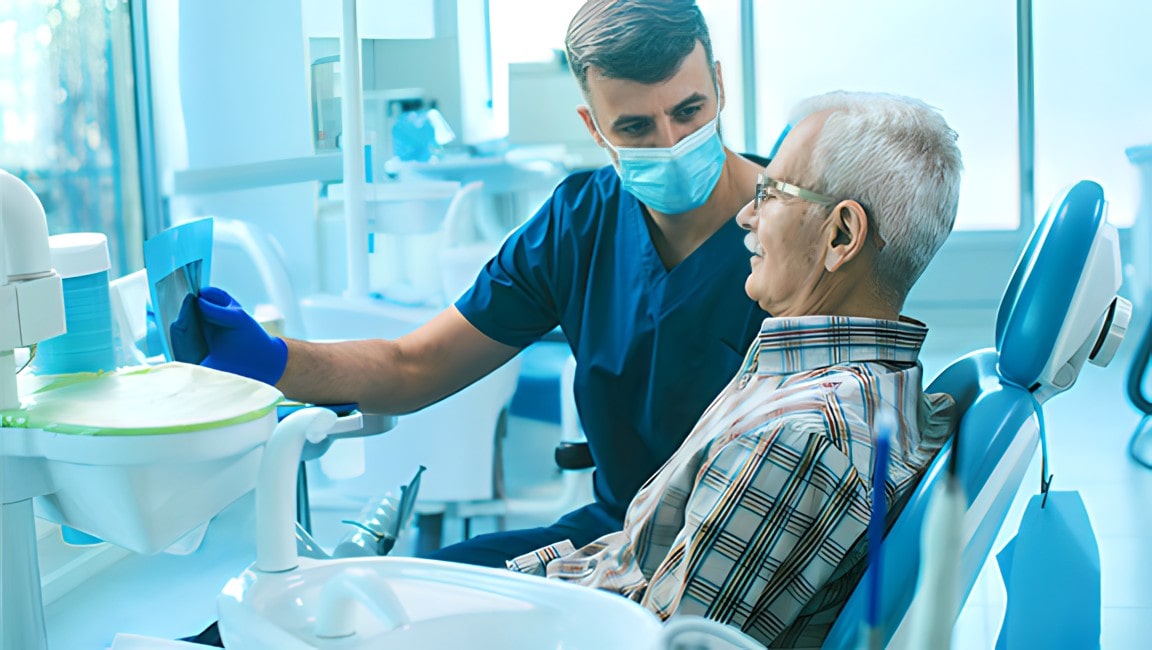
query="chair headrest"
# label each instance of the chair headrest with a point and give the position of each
(1060, 307)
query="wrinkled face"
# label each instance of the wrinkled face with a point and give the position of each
(633, 114)
(788, 236)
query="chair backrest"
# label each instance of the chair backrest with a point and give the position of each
(1059, 309)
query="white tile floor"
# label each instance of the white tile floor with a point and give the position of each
(1088, 430)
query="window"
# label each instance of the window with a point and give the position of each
(67, 117)
(1092, 99)
(959, 56)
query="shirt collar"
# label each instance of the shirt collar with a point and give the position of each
(790, 345)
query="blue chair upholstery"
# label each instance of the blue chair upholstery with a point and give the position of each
(1059, 310)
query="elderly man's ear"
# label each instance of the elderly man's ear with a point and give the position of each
(850, 231)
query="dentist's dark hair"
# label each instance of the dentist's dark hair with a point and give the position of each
(639, 40)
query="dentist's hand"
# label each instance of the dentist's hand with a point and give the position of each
(215, 332)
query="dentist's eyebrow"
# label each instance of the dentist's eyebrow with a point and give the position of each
(625, 120)
(694, 98)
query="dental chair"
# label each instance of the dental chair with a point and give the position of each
(1059, 310)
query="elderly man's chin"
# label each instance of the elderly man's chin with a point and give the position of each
(750, 291)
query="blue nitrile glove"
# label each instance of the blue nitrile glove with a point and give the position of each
(231, 340)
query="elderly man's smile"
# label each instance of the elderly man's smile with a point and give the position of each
(753, 244)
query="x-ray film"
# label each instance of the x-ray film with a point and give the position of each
(178, 263)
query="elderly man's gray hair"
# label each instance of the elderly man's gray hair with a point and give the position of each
(898, 157)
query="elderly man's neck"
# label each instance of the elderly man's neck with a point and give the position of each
(845, 294)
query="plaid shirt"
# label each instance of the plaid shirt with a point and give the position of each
(758, 519)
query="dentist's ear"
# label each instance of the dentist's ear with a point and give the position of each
(719, 86)
(850, 225)
(585, 114)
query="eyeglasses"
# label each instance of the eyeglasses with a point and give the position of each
(764, 184)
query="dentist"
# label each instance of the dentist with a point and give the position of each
(640, 263)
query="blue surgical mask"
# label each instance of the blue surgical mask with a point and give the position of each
(676, 179)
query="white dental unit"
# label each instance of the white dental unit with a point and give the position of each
(31, 310)
(122, 455)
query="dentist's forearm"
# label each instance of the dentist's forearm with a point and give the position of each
(393, 376)
(365, 372)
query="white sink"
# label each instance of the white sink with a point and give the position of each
(403, 603)
(286, 602)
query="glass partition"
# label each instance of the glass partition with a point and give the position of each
(67, 118)
(1093, 98)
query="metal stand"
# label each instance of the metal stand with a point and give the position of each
(1140, 445)
(22, 615)
(21, 603)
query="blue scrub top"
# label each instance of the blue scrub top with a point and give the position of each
(653, 346)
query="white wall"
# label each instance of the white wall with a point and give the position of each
(1092, 65)
(244, 98)
(527, 33)
(374, 18)
(723, 18)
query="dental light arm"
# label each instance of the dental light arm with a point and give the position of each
(31, 294)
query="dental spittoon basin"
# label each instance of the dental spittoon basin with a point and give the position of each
(285, 602)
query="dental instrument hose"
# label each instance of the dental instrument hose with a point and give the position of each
(1136, 374)
(876, 528)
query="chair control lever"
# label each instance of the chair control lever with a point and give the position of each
(574, 455)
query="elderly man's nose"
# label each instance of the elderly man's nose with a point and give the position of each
(746, 216)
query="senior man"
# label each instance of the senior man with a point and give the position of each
(758, 519)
